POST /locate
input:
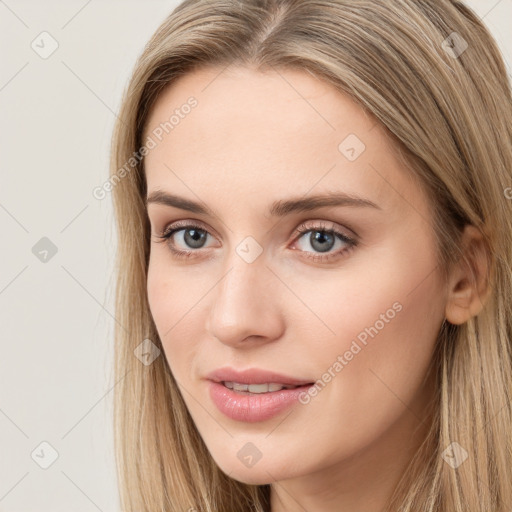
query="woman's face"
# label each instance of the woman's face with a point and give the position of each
(355, 310)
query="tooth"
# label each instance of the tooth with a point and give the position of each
(258, 388)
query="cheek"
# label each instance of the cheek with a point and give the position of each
(389, 298)
(172, 293)
(172, 305)
(373, 335)
(158, 284)
(384, 362)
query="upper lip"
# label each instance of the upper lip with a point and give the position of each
(253, 376)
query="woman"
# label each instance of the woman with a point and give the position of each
(314, 261)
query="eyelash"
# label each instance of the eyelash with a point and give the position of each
(299, 232)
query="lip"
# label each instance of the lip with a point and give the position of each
(253, 407)
(254, 376)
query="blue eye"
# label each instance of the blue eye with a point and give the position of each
(321, 239)
(193, 236)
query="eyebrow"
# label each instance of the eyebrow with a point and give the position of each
(279, 208)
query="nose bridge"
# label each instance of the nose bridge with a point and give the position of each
(244, 301)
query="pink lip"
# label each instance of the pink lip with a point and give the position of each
(254, 407)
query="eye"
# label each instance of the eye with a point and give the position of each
(323, 239)
(188, 235)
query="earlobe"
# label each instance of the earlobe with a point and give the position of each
(468, 284)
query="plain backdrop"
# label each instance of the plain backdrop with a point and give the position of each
(57, 241)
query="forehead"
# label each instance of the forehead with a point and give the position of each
(271, 134)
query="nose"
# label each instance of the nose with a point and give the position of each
(246, 304)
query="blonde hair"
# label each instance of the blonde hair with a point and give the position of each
(450, 116)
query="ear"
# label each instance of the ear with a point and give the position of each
(468, 283)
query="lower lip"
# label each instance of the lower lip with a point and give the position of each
(255, 407)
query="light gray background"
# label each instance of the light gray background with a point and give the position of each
(56, 316)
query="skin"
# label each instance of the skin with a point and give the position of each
(255, 138)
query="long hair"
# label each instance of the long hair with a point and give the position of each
(432, 74)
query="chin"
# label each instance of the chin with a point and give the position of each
(256, 475)
(249, 478)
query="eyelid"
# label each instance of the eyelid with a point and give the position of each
(182, 224)
(323, 225)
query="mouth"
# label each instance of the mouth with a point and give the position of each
(254, 402)
(256, 378)
(259, 389)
